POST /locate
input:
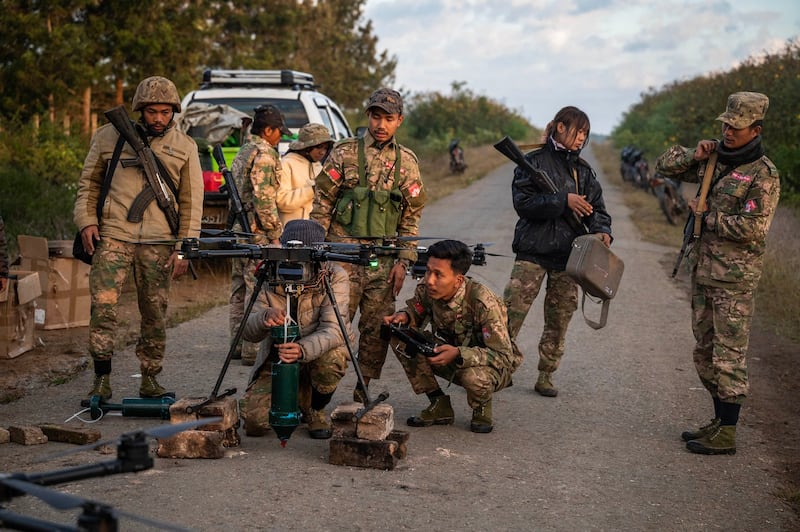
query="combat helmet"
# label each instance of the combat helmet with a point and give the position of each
(156, 89)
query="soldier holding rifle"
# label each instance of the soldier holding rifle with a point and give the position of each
(118, 240)
(726, 258)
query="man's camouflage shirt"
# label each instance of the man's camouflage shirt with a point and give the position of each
(257, 172)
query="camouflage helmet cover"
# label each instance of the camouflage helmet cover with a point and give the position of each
(156, 89)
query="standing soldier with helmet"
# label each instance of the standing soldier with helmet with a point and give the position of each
(111, 179)
(370, 186)
(727, 259)
(258, 173)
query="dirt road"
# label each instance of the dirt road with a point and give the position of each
(604, 455)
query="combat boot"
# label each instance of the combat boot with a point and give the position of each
(721, 441)
(705, 430)
(544, 385)
(439, 412)
(318, 426)
(150, 388)
(482, 418)
(359, 396)
(102, 387)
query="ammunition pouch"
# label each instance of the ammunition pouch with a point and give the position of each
(365, 212)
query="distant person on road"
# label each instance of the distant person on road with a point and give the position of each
(120, 247)
(258, 173)
(301, 164)
(543, 238)
(320, 349)
(727, 260)
(370, 187)
(3, 256)
(476, 351)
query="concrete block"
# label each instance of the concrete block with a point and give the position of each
(5, 437)
(401, 437)
(69, 434)
(354, 452)
(26, 435)
(377, 423)
(342, 424)
(192, 444)
(227, 408)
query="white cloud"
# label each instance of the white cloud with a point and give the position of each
(539, 55)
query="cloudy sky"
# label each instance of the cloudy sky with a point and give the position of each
(536, 56)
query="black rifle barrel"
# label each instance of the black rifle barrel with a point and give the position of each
(507, 147)
(237, 208)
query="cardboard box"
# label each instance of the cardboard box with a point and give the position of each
(65, 300)
(17, 313)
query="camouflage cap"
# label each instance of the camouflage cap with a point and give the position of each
(311, 135)
(387, 99)
(269, 115)
(744, 108)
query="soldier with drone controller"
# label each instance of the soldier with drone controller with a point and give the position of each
(475, 351)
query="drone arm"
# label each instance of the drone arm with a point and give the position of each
(72, 474)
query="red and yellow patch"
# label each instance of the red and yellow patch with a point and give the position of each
(414, 190)
(418, 307)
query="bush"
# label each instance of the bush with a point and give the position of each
(39, 171)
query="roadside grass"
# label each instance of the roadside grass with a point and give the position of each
(778, 293)
(435, 170)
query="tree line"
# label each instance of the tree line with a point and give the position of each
(684, 112)
(75, 57)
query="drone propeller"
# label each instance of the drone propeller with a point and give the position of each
(157, 432)
(389, 238)
(481, 246)
(225, 232)
(64, 501)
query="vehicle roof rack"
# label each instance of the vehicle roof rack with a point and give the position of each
(257, 78)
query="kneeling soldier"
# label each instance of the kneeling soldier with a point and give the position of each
(479, 355)
(320, 348)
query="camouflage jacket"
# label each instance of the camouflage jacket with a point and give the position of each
(741, 203)
(319, 327)
(341, 171)
(178, 153)
(474, 320)
(3, 250)
(258, 172)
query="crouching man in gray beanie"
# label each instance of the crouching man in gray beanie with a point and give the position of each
(320, 347)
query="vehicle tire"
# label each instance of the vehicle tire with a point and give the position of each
(670, 205)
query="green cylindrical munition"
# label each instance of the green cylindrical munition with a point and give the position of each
(284, 413)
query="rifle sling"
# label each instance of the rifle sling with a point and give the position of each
(147, 195)
(106, 186)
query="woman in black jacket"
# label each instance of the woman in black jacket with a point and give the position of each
(543, 237)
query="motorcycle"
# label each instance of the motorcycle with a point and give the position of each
(457, 163)
(670, 199)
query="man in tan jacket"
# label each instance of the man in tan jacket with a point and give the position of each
(120, 246)
(301, 164)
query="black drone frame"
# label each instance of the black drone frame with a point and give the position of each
(292, 267)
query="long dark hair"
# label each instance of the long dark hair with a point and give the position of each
(573, 119)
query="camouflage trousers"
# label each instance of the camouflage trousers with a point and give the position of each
(322, 374)
(480, 382)
(242, 284)
(560, 303)
(721, 320)
(372, 295)
(113, 262)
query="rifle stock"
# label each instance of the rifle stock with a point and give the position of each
(119, 118)
(507, 147)
(237, 209)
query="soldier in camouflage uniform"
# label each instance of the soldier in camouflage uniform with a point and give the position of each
(121, 247)
(358, 172)
(320, 348)
(543, 238)
(476, 350)
(726, 261)
(3, 256)
(257, 171)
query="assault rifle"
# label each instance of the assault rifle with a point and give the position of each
(237, 209)
(694, 223)
(540, 178)
(152, 171)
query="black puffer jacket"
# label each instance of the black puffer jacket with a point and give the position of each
(542, 235)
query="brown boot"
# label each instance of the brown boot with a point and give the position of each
(482, 418)
(544, 385)
(721, 441)
(706, 430)
(318, 426)
(439, 412)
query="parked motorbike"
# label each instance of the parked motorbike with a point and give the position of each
(670, 199)
(457, 162)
